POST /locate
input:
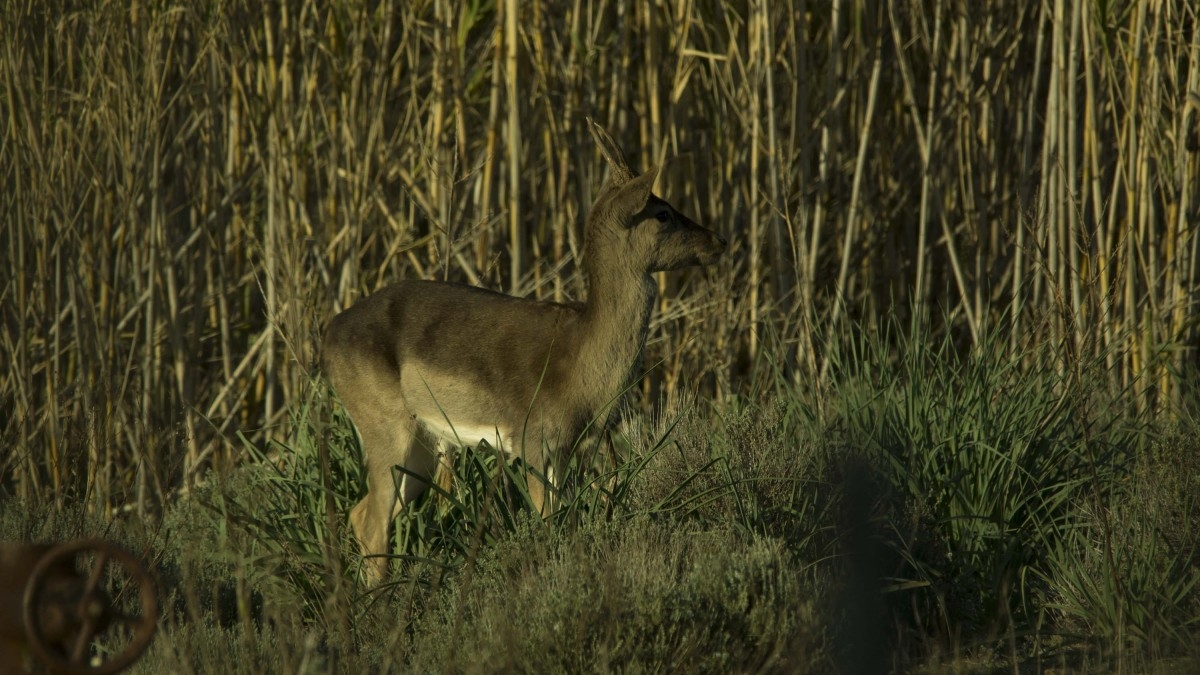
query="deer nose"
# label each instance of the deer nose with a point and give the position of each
(722, 241)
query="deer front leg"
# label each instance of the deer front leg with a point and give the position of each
(447, 455)
(540, 482)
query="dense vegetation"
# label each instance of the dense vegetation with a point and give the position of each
(933, 411)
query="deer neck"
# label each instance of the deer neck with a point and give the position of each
(616, 317)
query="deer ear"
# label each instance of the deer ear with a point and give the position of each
(633, 196)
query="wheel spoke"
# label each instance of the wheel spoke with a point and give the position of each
(86, 632)
(97, 572)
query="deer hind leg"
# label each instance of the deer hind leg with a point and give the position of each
(384, 447)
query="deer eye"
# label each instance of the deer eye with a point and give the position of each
(662, 216)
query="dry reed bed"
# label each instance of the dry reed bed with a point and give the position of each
(189, 189)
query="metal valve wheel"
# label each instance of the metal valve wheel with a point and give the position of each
(68, 607)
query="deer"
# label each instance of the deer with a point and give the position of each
(425, 367)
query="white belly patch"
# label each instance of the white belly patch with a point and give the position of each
(465, 434)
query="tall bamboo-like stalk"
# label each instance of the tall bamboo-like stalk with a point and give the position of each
(516, 241)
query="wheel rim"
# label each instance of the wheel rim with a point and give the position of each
(62, 630)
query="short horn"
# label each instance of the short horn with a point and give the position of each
(621, 173)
